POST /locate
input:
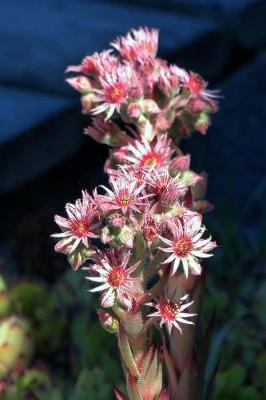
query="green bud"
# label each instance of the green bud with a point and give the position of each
(79, 255)
(203, 122)
(118, 236)
(109, 323)
(126, 236)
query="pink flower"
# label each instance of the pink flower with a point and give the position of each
(138, 45)
(96, 64)
(170, 312)
(168, 80)
(130, 173)
(196, 85)
(156, 154)
(167, 189)
(113, 275)
(149, 226)
(187, 245)
(106, 132)
(126, 195)
(81, 224)
(115, 87)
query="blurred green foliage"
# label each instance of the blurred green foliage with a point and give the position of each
(69, 341)
(36, 384)
(236, 294)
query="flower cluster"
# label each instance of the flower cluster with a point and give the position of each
(144, 230)
(141, 88)
(144, 198)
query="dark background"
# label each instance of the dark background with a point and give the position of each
(45, 160)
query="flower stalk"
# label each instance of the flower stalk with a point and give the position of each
(148, 269)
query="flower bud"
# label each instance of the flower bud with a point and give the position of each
(150, 107)
(150, 228)
(116, 220)
(135, 91)
(86, 102)
(179, 164)
(79, 255)
(106, 132)
(202, 123)
(134, 110)
(200, 185)
(126, 236)
(170, 195)
(169, 81)
(109, 323)
(196, 105)
(108, 299)
(189, 178)
(163, 123)
(80, 83)
(118, 236)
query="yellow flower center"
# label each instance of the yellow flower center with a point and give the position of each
(116, 277)
(115, 94)
(151, 159)
(80, 228)
(168, 309)
(183, 246)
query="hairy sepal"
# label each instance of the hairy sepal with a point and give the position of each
(134, 327)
